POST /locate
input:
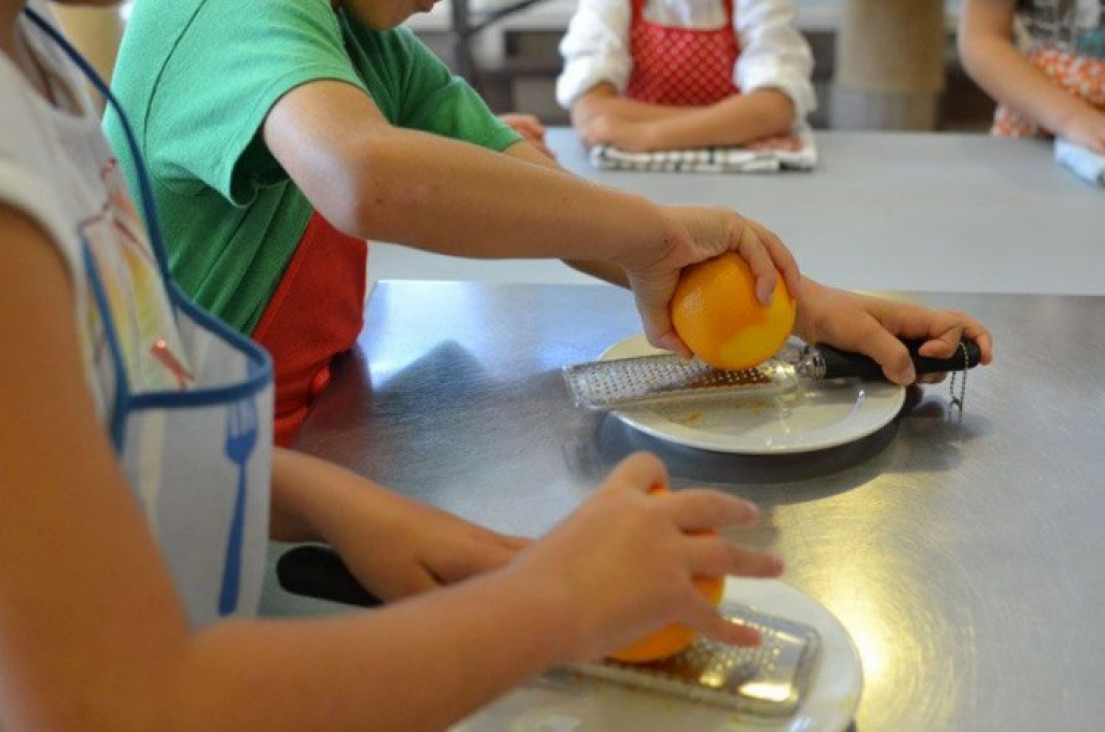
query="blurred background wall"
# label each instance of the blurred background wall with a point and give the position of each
(880, 64)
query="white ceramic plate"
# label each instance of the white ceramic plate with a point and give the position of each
(557, 705)
(815, 417)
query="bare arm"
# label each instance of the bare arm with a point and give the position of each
(986, 47)
(395, 546)
(90, 616)
(392, 184)
(602, 116)
(605, 271)
(85, 589)
(875, 326)
(732, 121)
(376, 181)
(604, 100)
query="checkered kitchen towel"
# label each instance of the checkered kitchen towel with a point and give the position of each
(795, 152)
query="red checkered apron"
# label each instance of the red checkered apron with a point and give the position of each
(681, 66)
(316, 313)
(1082, 76)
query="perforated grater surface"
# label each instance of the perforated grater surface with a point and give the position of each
(769, 680)
(630, 381)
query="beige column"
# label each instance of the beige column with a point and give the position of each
(95, 31)
(889, 65)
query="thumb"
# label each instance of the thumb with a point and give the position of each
(654, 308)
(641, 472)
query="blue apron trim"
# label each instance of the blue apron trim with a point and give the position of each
(122, 388)
(259, 363)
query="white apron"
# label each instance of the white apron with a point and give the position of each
(198, 456)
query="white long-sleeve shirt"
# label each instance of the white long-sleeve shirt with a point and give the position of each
(773, 52)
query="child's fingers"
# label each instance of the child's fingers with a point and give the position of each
(641, 471)
(703, 616)
(701, 509)
(948, 328)
(870, 337)
(752, 249)
(767, 256)
(653, 298)
(782, 257)
(716, 556)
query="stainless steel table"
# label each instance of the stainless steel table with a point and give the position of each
(965, 558)
(904, 211)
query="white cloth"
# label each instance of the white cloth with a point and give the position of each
(773, 53)
(175, 389)
(712, 159)
(1083, 162)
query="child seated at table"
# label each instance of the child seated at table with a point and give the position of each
(334, 125)
(140, 485)
(1056, 84)
(647, 75)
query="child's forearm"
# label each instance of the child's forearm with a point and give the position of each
(1006, 74)
(604, 100)
(595, 102)
(376, 181)
(733, 121)
(1009, 78)
(407, 669)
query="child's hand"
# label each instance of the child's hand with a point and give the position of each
(695, 234)
(425, 547)
(529, 127)
(788, 143)
(623, 563)
(874, 326)
(611, 129)
(1088, 130)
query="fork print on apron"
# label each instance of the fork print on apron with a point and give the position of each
(190, 400)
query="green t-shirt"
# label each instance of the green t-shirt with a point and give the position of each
(197, 79)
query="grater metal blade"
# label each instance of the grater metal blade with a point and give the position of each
(640, 380)
(770, 680)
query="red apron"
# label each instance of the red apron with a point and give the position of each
(681, 66)
(316, 313)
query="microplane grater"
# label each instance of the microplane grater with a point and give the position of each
(628, 381)
(770, 680)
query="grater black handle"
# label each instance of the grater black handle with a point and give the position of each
(318, 571)
(845, 363)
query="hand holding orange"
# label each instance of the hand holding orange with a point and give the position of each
(715, 311)
(674, 638)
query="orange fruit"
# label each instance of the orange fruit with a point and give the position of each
(716, 313)
(674, 638)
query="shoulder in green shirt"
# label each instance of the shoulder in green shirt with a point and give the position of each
(197, 79)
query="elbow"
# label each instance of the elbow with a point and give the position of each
(786, 115)
(357, 198)
(342, 204)
(778, 111)
(973, 49)
(966, 54)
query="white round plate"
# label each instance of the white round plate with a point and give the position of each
(814, 417)
(553, 704)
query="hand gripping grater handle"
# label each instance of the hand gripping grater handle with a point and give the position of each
(649, 379)
(832, 363)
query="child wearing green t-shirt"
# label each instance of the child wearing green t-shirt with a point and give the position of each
(281, 134)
